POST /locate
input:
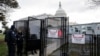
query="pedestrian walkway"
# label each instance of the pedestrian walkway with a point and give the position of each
(51, 48)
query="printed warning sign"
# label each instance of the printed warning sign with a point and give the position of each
(53, 33)
(78, 38)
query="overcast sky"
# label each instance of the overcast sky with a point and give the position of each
(77, 10)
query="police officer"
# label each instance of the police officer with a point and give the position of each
(19, 43)
(10, 37)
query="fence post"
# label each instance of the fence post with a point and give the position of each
(42, 38)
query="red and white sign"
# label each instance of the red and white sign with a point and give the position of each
(54, 33)
(78, 38)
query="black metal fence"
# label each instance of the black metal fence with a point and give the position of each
(40, 29)
(90, 48)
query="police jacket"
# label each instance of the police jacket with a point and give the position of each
(10, 36)
(19, 37)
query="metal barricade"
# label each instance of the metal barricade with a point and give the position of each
(36, 35)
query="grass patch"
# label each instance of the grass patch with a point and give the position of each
(1, 37)
(3, 48)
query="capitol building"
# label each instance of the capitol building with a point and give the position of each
(88, 29)
(59, 13)
(35, 27)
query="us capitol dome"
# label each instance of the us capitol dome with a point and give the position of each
(60, 12)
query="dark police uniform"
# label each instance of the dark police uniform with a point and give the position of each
(10, 37)
(19, 43)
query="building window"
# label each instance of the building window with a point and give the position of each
(83, 32)
(89, 28)
(76, 29)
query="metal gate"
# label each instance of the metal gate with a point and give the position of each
(41, 31)
(65, 47)
(90, 48)
(34, 36)
(39, 28)
(60, 24)
(58, 45)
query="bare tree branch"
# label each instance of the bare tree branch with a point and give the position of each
(5, 6)
(10, 3)
(96, 2)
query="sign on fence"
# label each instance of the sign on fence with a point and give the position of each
(78, 38)
(54, 33)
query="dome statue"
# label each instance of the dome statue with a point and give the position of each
(60, 12)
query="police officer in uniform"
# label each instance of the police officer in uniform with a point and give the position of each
(10, 38)
(19, 43)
